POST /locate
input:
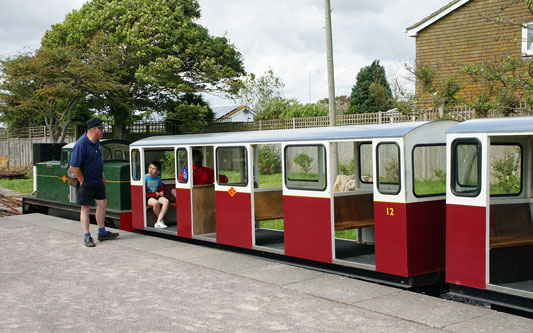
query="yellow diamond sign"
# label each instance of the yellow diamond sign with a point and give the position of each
(232, 191)
(64, 178)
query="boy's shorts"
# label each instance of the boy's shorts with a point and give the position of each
(87, 192)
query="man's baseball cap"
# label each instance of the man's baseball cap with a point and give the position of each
(94, 122)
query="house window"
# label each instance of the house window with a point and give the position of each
(527, 39)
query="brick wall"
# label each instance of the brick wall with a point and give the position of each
(464, 37)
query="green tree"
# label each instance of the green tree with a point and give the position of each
(258, 92)
(189, 114)
(298, 110)
(189, 118)
(50, 83)
(275, 108)
(371, 92)
(164, 53)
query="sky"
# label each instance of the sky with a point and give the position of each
(287, 36)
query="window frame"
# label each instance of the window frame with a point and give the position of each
(521, 169)
(286, 177)
(245, 167)
(176, 164)
(399, 168)
(360, 161)
(525, 32)
(454, 172)
(413, 168)
(65, 162)
(133, 151)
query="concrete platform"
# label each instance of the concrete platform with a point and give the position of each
(49, 281)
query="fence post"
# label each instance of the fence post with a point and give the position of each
(380, 117)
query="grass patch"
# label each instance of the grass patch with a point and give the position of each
(429, 187)
(278, 225)
(272, 224)
(268, 181)
(347, 234)
(18, 185)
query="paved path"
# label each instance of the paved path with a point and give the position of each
(49, 281)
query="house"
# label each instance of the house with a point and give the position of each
(235, 113)
(470, 32)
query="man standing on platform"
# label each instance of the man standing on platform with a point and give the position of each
(88, 165)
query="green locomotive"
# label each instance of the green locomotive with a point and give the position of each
(54, 196)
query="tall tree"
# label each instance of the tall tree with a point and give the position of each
(50, 83)
(258, 92)
(371, 92)
(164, 53)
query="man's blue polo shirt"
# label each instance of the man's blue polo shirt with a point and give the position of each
(87, 155)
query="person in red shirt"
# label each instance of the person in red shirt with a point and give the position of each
(201, 174)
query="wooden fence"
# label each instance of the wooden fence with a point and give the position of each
(16, 148)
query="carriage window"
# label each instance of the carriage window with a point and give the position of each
(365, 163)
(181, 162)
(388, 168)
(167, 160)
(466, 168)
(119, 155)
(305, 167)
(505, 169)
(429, 170)
(135, 165)
(107, 153)
(232, 162)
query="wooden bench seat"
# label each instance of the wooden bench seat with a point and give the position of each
(511, 240)
(354, 211)
(354, 224)
(268, 205)
(510, 225)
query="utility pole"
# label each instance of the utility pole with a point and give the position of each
(331, 79)
(334, 156)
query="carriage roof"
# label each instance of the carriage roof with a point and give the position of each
(395, 130)
(495, 125)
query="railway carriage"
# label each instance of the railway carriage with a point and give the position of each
(370, 197)
(489, 207)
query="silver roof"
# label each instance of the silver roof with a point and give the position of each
(307, 134)
(494, 125)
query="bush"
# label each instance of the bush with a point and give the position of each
(269, 160)
(346, 168)
(304, 161)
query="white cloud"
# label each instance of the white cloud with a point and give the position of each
(289, 37)
(284, 35)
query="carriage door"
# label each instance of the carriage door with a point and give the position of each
(307, 201)
(183, 192)
(390, 221)
(233, 195)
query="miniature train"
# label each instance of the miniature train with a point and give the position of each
(54, 196)
(406, 203)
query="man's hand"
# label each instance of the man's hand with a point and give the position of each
(79, 175)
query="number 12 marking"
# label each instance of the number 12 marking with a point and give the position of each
(390, 211)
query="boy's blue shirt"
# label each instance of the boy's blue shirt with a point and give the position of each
(152, 183)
